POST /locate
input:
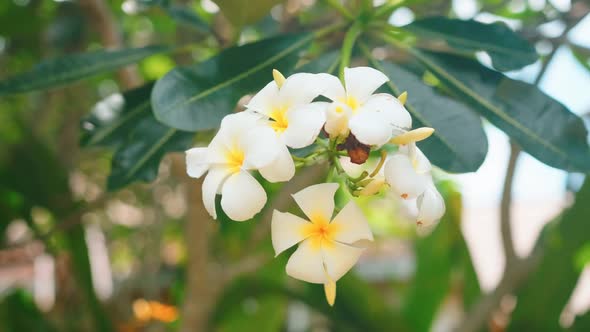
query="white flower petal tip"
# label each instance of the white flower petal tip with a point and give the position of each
(286, 231)
(196, 162)
(317, 201)
(411, 136)
(403, 178)
(361, 82)
(403, 97)
(431, 207)
(278, 78)
(242, 197)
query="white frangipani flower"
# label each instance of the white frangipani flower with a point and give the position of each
(287, 104)
(241, 145)
(326, 246)
(372, 118)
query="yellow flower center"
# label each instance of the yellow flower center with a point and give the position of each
(235, 159)
(279, 119)
(321, 232)
(351, 102)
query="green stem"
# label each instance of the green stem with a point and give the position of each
(347, 46)
(386, 9)
(337, 5)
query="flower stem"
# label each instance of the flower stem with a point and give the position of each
(337, 5)
(380, 164)
(347, 46)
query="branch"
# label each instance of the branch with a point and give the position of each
(103, 22)
(505, 205)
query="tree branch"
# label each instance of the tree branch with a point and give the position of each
(103, 22)
(505, 207)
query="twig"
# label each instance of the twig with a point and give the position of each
(505, 205)
(106, 26)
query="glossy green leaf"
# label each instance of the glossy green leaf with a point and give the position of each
(197, 97)
(544, 295)
(582, 54)
(244, 12)
(187, 16)
(507, 50)
(127, 125)
(67, 69)
(448, 148)
(539, 124)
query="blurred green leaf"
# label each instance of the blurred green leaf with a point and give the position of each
(443, 265)
(18, 313)
(543, 296)
(539, 124)
(241, 12)
(197, 97)
(447, 147)
(126, 124)
(508, 50)
(70, 68)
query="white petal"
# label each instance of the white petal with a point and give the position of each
(242, 196)
(305, 123)
(332, 87)
(287, 230)
(307, 263)
(370, 128)
(281, 169)
(339, 258)
(361, 82)
(317, 201)
(419, 160)
(196, 162)
(265, 100)
(395, 113)
(261, 147)
(211, 187)
(402, 177)
(431, 207)
(300, 89)
(238, 124)
(353, 226)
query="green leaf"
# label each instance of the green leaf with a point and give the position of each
(197, 97)
(539, 124)
(546, 292)
(448, 148)
(18, 313)
(128, 126)
(443, 264)
(241, 12)
(508, 50)
(582, 54)
(67, 69)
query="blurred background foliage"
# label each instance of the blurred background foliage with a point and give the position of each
(101, 230)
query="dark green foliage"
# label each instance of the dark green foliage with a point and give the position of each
(539, 124)
(507, 50)
(197, 97)
(70, 68)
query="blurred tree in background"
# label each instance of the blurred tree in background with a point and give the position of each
(102, 230)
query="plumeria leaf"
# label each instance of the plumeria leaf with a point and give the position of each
(447, 147)
(544, 295)
(507, 50)
(197, 97)
(324, 63)
(539, 124)
(242, 12)
(127, 125)
(70, 68)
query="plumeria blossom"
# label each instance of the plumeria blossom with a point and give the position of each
(241, 145)
(328, 247)
(431, 206)
(372, 118)
(287, 105)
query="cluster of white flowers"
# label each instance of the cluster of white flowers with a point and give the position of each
(284, 115)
